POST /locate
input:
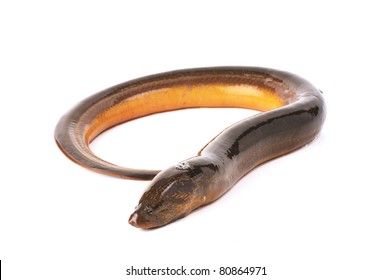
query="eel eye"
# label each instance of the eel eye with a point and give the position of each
(148, 209)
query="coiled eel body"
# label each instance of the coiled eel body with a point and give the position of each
(292, 114)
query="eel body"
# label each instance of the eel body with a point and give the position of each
(292, 112)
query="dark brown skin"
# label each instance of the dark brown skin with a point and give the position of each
(293, 115)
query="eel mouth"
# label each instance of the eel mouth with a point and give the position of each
(143, 219)
(136, 220)
(133, 220)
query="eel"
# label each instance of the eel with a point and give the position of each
(292, 112)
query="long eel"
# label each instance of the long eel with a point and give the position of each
(292, 114)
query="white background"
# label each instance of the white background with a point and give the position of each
(323, 212)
